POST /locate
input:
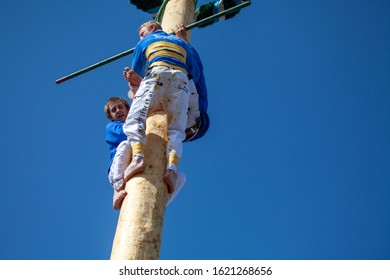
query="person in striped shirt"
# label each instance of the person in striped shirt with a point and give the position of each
(163, 61)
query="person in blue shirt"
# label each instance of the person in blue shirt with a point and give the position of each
(163, 61)
(198, 121)
(116, 110)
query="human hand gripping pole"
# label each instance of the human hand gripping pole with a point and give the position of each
(130, 51)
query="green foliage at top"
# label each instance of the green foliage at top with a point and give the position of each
(206, 10)
(229, 4)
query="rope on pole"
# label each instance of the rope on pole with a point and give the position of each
(130, 51)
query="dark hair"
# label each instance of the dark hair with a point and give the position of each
(112, 99)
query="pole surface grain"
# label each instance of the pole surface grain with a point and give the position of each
(139, 230)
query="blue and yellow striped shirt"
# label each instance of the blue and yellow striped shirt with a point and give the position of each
(160, 48)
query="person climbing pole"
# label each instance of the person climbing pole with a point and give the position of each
(198, 121)
(116, 110)
(162, 61)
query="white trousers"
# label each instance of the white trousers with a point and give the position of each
(193, 106)
(170, 88)
(122, 160)
(119, 164)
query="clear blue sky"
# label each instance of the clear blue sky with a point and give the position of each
(296, 164)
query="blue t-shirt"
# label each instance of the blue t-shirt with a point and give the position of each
(160, 47)
(114, 136)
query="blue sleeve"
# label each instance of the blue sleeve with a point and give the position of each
(114, 133)
(140, 63)
(193, 63)
(196, 71)
(114, 136)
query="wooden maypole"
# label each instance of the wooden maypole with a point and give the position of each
(139, 229)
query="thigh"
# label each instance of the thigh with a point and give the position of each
(178, 95)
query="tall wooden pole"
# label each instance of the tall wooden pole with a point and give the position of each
(178, 12)
(138, 233)
(139, 229)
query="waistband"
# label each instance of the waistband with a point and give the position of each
(162, 63)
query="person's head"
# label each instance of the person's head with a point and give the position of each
(116, 109)
(148, 27)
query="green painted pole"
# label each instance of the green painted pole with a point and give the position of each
(93, 66)
(130, 51)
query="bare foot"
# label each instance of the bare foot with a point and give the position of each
(170, 178)
(119, 196)
(136, 166)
